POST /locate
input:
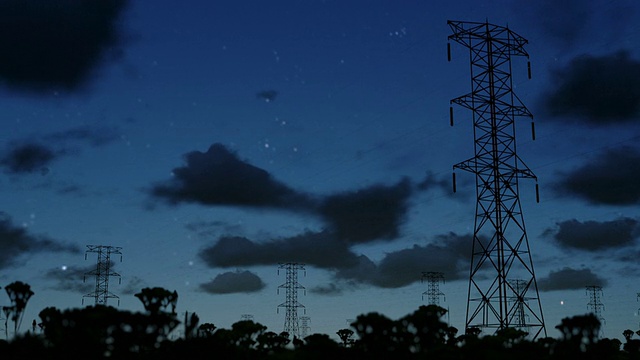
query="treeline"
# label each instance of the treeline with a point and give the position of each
(103, 332)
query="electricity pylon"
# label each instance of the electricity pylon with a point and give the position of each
(500, 247)
(102, 273)
(291, 303)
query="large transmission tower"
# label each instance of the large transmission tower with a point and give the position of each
(500, 247)
(433, 292)
(291, 303)
(102, 273)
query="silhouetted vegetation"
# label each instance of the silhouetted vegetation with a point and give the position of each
(98, 332)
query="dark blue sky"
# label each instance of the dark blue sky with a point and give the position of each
(213, 141)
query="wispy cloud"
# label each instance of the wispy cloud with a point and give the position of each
(71, 278)
(36, 154)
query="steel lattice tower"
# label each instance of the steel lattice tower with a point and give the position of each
(102, 273)
(500, 247)
(291, 303)
(519, 299)
(433, 292)
(304, 326)
(595, 305)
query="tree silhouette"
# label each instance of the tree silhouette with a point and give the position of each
(206, 329)
(19, 294)
(157, 298)
(345, 336)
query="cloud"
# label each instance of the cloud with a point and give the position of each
(16, 242)
(403, 267)
(28, 157)
(609, 179)
(211, 229)
(234, 282)
(432, 181)
(51, 45)
(320, 249)
(218, 177)
(71, 278)
(36, 155)
(95, 136)
(133, 285)
(448, 254)
(330, 289)
(599, 89)
(565, 22)
(569, 279)
(368, 214)
(595, 235)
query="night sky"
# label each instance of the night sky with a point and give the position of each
(216, 140)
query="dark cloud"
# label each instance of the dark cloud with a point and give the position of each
(600, 89)
(28, 158)
(51, 45)
(71, 278)
(218, 177)
(234, 282)
(403, 267)
(368, 214)
(447, 254)
(595, 235)
(321, 249)
(570, 279)
(609, 179)
(16, 242)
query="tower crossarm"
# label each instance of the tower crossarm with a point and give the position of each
(468, 33)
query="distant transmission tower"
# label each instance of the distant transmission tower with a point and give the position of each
(433, 292)
(519, 300)
(595, 305)
(500, 247)
(246, 317)
(638, 297)
(102, 273)
(304, 326)
(291, 303)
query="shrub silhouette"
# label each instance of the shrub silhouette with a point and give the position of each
(101, 332)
